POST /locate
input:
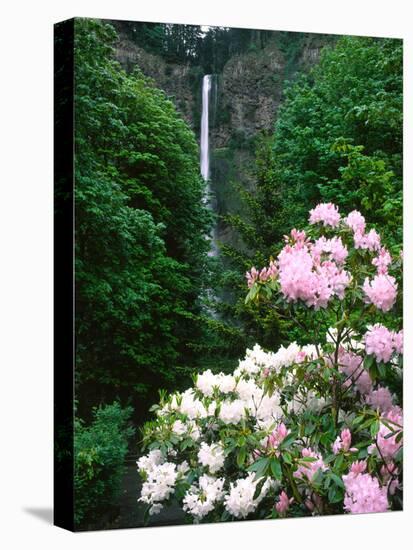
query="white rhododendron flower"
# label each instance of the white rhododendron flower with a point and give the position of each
(200, 499)
(179, 427)
(188, 428)
(206, 382)
(232, 412)
(211, 456)
(240, 501)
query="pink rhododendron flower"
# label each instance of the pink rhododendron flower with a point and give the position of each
(356, 221)
(263, 275)
(252, 276)
(379, 342)
(277, 436)
(337, 279)
(380, 399)
(266, 273)
(325, 213)
(338, 252)
(382, 261)
(364, 494)
(301, 355)
(343, 442)
(373, 240)
(388, 446)
(299, 238)
(367, 241)
(381, 291)
(363, 382)
(358, 467)
(283, 504)
(350, 364)
(303, 277)
(311, 468)
(299, 281)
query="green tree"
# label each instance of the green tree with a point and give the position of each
(352, 97)
(338, 138)
(141, 252)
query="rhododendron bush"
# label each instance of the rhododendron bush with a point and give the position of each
(313, 428)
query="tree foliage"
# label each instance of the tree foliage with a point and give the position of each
(339, 131)
(99, 452)
(337, 138)
(141, 251)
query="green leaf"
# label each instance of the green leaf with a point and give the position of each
(288, 440)
(339, 461)
(374, 428)
(241, 455)
(337, 480)
(260, 466)
(276, 468)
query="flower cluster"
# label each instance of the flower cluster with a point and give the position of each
(303, 429)
(383, 343)
(381, 291)
(201, 499)
(266, 273)
(364, 494)
(309, 469)
(283, 505)
(211, 456)
(325, 213)
(304, 276)
(315, 272)
(241, 499)
(369, 241)
(382, 261)
(160, 478)
(356, 222)
(343, 442)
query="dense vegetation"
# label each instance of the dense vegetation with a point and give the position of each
(145, 286)
(140, 229)
(100, 451)
(140, 256)
(338, 137)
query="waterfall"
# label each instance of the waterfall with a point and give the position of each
(206, 88)
(206, 93)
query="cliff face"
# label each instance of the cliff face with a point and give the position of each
(174, 79)
(244, 101)
(250, 89)
(246, 95)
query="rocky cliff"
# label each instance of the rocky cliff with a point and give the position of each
(174, 79)
(245, 98)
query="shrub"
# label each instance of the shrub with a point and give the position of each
(100, 451)
(311, 429)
